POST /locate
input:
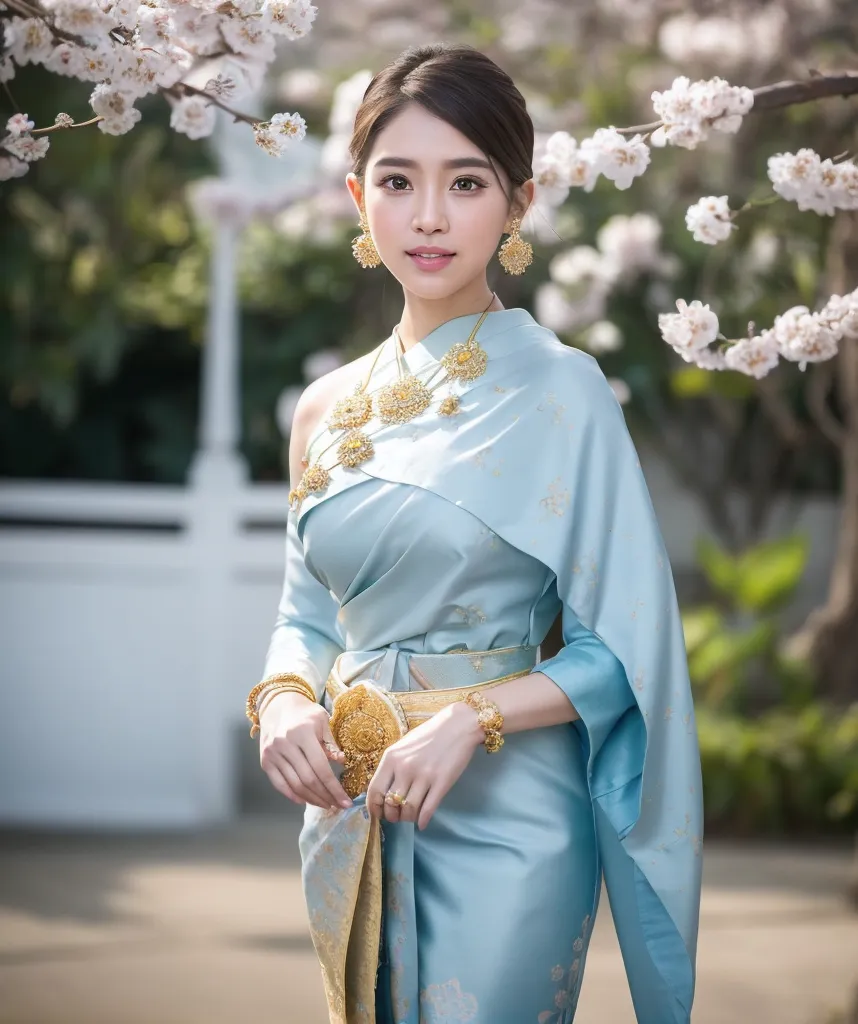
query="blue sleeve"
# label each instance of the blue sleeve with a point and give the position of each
(306, 638)
(611, 725)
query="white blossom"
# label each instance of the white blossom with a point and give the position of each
(130, 48)
(553, 308)
(840, 314)
(630, 245)
(83, 18)
(709, 220)
(603, 336)
(320, 362)
(275, 135)
(125, 12)
(347, 98)
(193, 116)
(619, 159)
(690, 109)
(66, 59)
(803, 338)
(622, 392)
(580, 264)
(706, 358)
(289, 18)
(25, 147)
(28, 40)
(813, 183)
(248, 36)
(94, 64)
(223, 86)
(563, 164)
(19, 124)
(11, 167)
(719, 41)
(754, 357)
(116, 107)
(694, 327)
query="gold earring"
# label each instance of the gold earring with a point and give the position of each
(515, 255)
(363, 246)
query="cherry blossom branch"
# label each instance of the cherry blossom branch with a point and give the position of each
(65, 121)
(192, 90)
(782, 94)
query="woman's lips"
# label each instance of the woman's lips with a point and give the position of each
(431, 262)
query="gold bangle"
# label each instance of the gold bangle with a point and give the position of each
(269, 695)
(296, 682)
(490, 719)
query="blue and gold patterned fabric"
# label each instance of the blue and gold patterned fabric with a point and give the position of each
(471, 533)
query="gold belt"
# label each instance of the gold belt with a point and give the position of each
(366, 720)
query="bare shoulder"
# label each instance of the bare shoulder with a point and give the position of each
(316, 399)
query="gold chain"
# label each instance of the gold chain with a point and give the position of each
(398, 402)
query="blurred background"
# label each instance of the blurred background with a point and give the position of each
(164, 301)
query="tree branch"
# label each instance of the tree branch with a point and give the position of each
(816, 396)
(784, 94)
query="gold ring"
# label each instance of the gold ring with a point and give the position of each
(392, 797)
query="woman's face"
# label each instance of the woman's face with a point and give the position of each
(427, 186)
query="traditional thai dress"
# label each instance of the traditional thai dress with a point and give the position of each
(440, 563)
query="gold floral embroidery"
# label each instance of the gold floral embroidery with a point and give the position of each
(550, 402)
(446, 1003)
(472, 615)
(397, 884)
(557, 499)
(568, 982)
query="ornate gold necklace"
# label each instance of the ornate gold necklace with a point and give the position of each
(398, 402)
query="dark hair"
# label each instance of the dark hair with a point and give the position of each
(461, 86)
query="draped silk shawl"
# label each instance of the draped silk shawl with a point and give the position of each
(541, 454)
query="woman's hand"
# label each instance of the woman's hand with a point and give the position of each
(423, 765)
(296, 748)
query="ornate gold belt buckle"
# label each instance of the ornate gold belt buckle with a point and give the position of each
(365, 720)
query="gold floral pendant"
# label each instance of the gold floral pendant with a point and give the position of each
(316, 478)
(403, 400)
(355, 448)
(465, 360)
(351, 411)
(449, 406)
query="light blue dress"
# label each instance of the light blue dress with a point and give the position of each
(488, 912)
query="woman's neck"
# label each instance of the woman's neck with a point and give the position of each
(422, 316)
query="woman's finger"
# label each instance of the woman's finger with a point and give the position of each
(430, 804)
(378, 786)
(415, 796)
(321, 767)
(282, 786)
(329, 744)
(299, 784)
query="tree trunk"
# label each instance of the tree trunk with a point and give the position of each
(829, 638)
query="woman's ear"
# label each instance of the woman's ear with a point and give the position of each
(354, 186)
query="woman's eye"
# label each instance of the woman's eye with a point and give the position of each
(470, 181)
(392, 180)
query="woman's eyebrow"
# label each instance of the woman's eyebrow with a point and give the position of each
(464, 161)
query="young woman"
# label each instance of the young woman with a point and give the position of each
(454, 490)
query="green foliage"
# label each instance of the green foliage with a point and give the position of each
(775, 759)
(786, 772)
(734, 643)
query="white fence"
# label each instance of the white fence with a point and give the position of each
(133, 620)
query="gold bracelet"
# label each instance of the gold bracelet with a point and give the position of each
(274, 691)
(490, 718)
(296, 682)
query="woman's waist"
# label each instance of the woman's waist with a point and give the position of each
(398, 670)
